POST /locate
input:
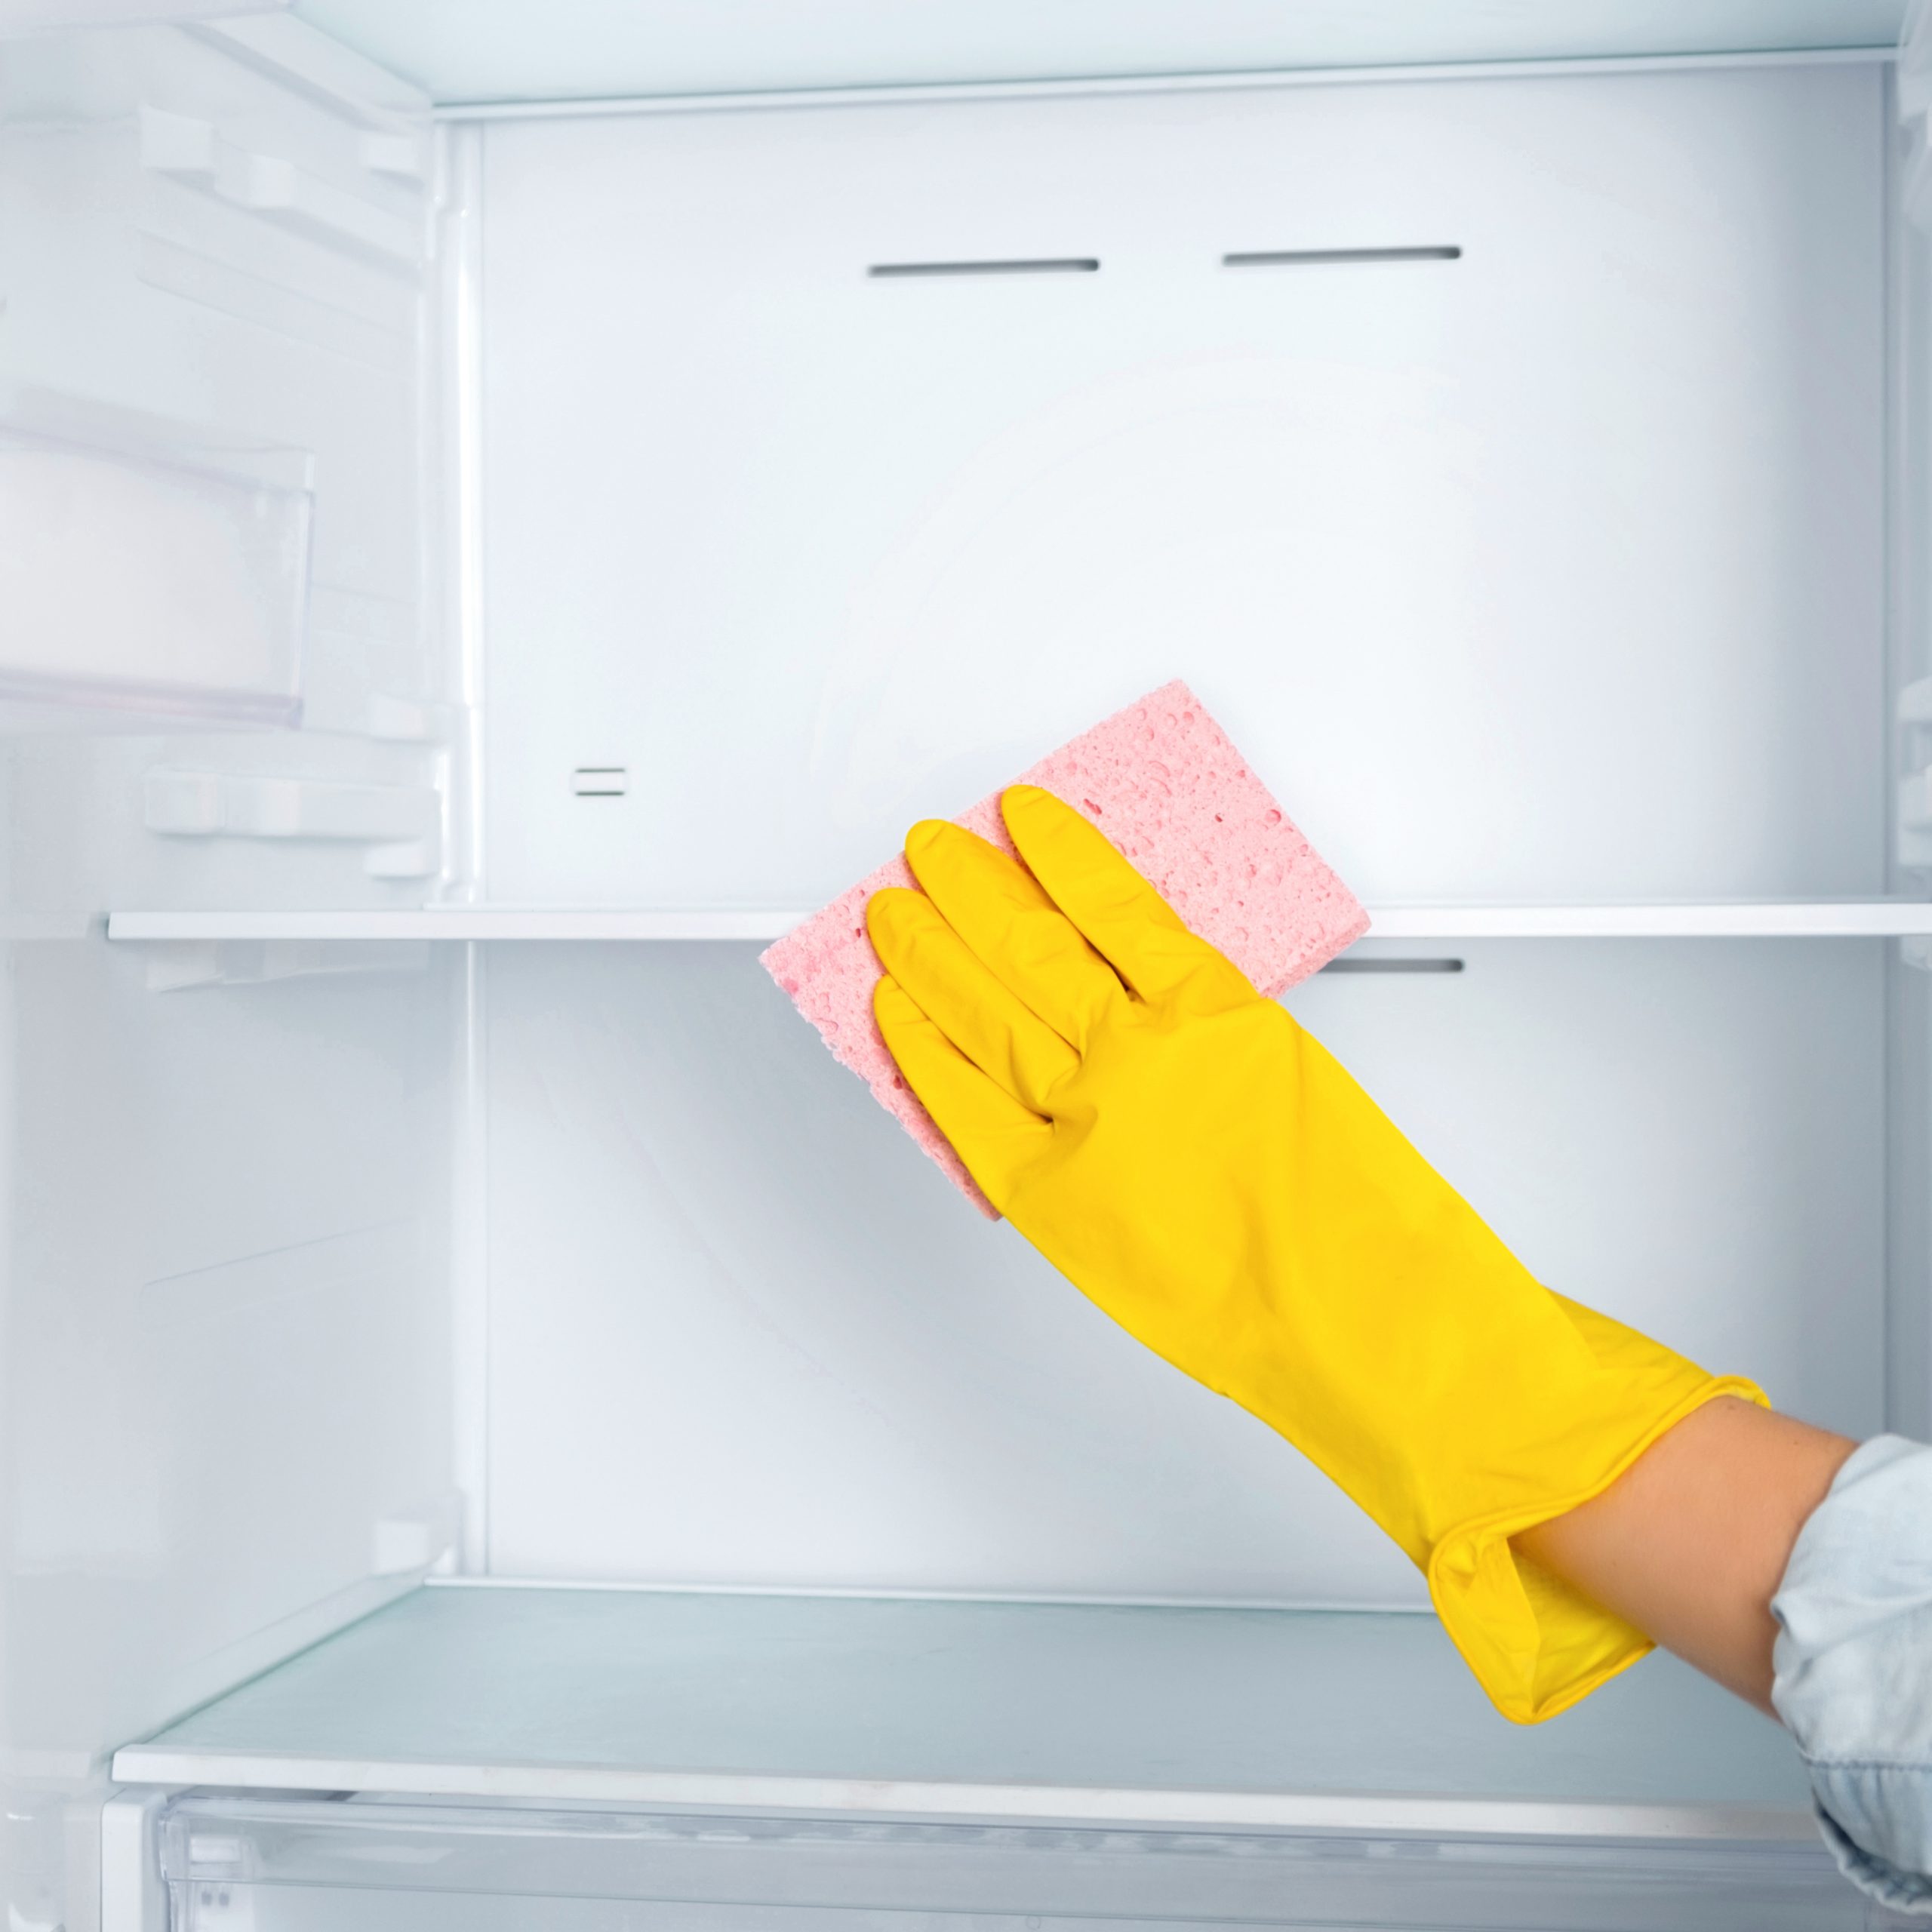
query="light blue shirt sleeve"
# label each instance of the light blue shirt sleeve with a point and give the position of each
(1853, 1662)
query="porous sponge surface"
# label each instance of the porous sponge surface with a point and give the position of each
(1162, 781)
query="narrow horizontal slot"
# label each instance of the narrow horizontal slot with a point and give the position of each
(1348, 965)
(600, 781)
(1044, 265)
(1307, 258)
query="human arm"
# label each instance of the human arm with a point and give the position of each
(1195, 1163)
(1690, 1543)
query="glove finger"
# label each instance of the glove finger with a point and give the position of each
(1126, 921)
(996, 1137)
(1006, 1040)
(999, 910)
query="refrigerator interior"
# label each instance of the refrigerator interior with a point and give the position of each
(482, 579)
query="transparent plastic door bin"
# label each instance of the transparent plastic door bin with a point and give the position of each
(130, 584)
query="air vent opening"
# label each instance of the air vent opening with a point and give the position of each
(1040, 265)
(1310, 258)
(1347, 964)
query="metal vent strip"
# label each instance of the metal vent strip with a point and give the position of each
(1310, 258)
(1017, 265)
(1345, 965)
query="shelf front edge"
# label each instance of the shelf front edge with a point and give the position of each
(582, 1784)
(1775, 919)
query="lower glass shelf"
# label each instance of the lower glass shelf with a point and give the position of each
(499, 1758)
(1073, 1713)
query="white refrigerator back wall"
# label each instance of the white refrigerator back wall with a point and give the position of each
(1549, 569)
(741, 1330)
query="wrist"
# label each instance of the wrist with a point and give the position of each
(1690, 1543)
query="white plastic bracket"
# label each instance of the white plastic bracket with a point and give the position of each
(133, 1898)
(204, 805)
(410, 858)
(403, 156)
(1915, 792)
(422, 1540)
(404, 720)
(193, 151)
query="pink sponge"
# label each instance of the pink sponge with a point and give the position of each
(1162, 781)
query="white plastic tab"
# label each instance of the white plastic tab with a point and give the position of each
(184, 801)
(1915, 799)
(1915, 826)
(176, 143)
(409, 858)
(402, 156)
(417, 1541)
(206, 804)
(404, 720)
(280, 190)
(193, 151)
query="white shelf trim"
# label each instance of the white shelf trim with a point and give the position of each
(1828, 918)
(1244, 81)
(459, 922)
(1769, 919)
(1085, 1805)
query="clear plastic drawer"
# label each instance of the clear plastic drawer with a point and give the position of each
(302, 1865)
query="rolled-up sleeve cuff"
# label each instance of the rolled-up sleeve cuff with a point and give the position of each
(1872, 1797)
(1853, 1663)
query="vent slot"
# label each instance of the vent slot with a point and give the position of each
(600, 781)
(1314, 258)
(1044, 265)
(1345, 964)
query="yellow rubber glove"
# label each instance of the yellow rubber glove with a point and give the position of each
(1197, 1165)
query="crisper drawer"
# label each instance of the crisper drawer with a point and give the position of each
(303, 1864)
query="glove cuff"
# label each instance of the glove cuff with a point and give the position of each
(1536, 1645)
